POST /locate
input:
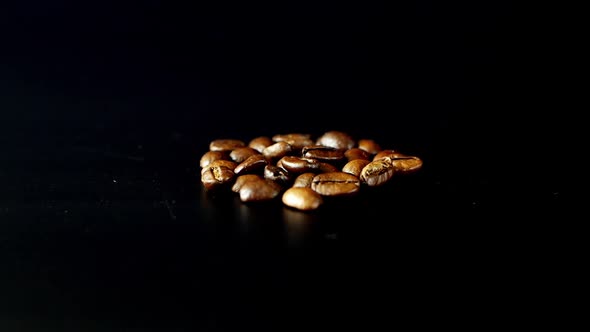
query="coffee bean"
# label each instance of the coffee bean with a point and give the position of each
(260, 143)
(369, 145)
(304, 180)
(335, 184)
(296, 140)
(321, 152)
(298, 164)
(241, 179)
(276, 173)
(357, 153)
(405, 165)
(223, 163)
(355, 167)
(251, 164)
(388, 153)
(216, 176)
(210, 156)
(240, 154)
(302, 198)
(377, 172)
(225, 144)
(255, 191)
(336, 139)
(327, 168)
(277, 150)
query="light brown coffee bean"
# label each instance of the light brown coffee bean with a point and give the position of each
(276, 173)
(298, 164)
(377, 172)
(406, 165)
(277, 150)
(296, 140)
(241, 179)
(225, 144)
(321, 152)
(357, 153)
(260, 143)
(223, 163)
(389, 153)
(210, 156)
(216, 176)
(335, 184)
(336, 139)
(355, 166)
(255, 191)
(369, 145)
(303, 180)
(251, 164)
(240, 154)
(302, 198)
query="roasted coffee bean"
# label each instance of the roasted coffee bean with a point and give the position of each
(357, 153)
(377, 172)
(275, 173)
(302, 198)
(223, 163)
(241, 179)
(304, 180)
(355, 167)
(405, 165)
(335, 184)
(296, 140)
(255, 191)
(369, 145)
(327, 168)
(336, 139)
(260, 143)
(251, 164)
(388, 153)
(298, 164)
(215, 176)
(277, 150)
(225, 144)
(210, 156)
(321, 152)
(240, 154)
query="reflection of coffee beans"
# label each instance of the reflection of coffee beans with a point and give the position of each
(300, 168)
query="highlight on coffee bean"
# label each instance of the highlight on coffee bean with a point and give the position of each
(301, 170)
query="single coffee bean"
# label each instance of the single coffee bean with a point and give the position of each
(336, 139)
(277, 150)
(388, 153)
(240, 154)
(405, 165)
(377, 172)
(215, 176)
(296, 140)
(260, 143)
(210, 156)
(302, 198)
(357, 153)
(241, 179)
(251, 164)
(335, 184)
(327, 168)
(321, 152)
(276, 173)
(369, 145)
(355, 166)
(303, 180)
(223, 163)
(298, 164)
(225, 144)
(255, 191)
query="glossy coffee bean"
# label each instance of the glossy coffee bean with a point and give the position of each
(377, 172)
(275, 173)
(240, 154)
(369, 145)
(405, 165)
(296, 140)
(221, 163)
(256, 191)
(336, 139)
(355, 167)
(260, 143)
(321, 152)
(388, 154)
(357, 153)
(335, 184)
(298, 164)
(225, 144)
(327, 168)
(302, 198)
(241, 179)
(210, 156)
(216, 176)
(304, 180)
(251, 164)
(277, 150)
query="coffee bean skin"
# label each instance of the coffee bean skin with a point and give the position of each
(355, 166)
(260, 143)
(277, 150)
(276, 173)
(240, 154)
(335, 184)
(296, 140)
(357, 153)
(215, 176)
(225, 144)
(302, 198)
(377, 172)
(369, 145)
(251, 164)
(304, 180)
(321, 152)
(256, 191)
(210, 156)
(406, 165)
(336, 139)
(241, 179)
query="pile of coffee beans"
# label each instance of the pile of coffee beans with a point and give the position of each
(300, 169)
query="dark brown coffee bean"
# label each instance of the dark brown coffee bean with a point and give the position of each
(388, 153)
(225, 144)
(405, 165)
(335, 184)
(357, 153)
(298, 164)
(210, 156)
(276, 173)
(251, 164)
(369, 145)
(296, 140)
(302, 198)
(255, 191)
(355, 167)
(260, 143)
(321, 152)
(336, 139)
(377, 172)
(327, 168)
(240, 154)
(223, 163)
(304, 180)
(241, 179)
(277, 150)
(216, 176)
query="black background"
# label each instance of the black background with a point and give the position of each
(106, 108)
